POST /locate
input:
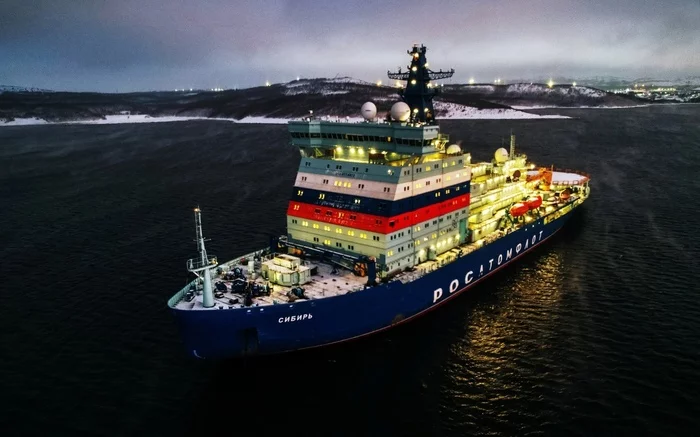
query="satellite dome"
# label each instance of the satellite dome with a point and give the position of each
(501, 155)
(400, 111)
(369, 111)
(454, 149)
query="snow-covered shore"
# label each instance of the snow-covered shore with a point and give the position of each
(126, 119)
(454, 112)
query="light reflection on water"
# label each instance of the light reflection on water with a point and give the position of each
(497, 360)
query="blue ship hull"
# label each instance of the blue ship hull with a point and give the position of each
(311, 323)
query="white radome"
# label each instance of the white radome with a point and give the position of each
(454, 149)
(501, 155)
(369, 111)
(400, 111)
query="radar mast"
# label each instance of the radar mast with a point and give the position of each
(419, 91)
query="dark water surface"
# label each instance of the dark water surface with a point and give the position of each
(597, 333)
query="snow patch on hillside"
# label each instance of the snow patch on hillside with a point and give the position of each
(454, 111)
(129, 119)
(21, 89)
(337, 85)
(525, 89)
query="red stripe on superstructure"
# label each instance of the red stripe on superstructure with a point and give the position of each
(375, 223)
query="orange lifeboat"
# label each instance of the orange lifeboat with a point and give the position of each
(534, 202)
(518, 209)
(565, 194)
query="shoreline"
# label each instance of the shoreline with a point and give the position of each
(142, 118)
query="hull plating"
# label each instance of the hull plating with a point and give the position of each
(305, 324)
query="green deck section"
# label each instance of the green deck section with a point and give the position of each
(384, 137)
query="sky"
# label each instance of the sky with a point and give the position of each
(131, 45)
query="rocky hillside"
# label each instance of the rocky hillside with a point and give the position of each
(333, 97)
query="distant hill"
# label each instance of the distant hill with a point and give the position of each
(21, 89)
(341, 96)
(532, 95)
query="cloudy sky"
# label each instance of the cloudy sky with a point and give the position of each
(126, 45)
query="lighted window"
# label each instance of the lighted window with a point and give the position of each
(351, 233)
(296, 207)
(327, 242)
(338, 231)
(357, 200)
(327, 228)
(363, 236)
(390, 253)
(305, 223)
(300, 193)
(321, 196)
(315, 226)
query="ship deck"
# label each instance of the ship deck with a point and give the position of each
(327, 280)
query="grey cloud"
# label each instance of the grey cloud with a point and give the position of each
(167, 43)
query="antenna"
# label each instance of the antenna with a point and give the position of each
(512, 145)
(202, 265)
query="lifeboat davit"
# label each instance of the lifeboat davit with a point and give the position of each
(518, 209)
(534, 202)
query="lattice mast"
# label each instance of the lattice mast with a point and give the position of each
(203, 265)
(419, 90)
